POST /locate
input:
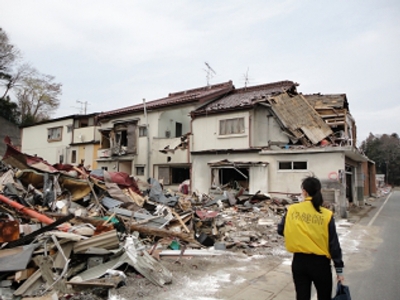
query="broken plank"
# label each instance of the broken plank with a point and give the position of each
(164, 233)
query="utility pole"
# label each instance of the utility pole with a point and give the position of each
(148, 138)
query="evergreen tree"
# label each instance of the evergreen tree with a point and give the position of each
(384, 150)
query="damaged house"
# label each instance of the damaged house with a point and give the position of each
(72, 140)
(269, 137)
(152, 139)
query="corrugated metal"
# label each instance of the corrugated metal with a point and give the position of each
(110, 202)
(299, 117)
(107, 240)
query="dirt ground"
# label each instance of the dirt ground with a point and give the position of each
(198, 277)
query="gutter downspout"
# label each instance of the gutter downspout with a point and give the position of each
(148, 138)
(191, 140)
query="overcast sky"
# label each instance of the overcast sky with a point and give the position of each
(112, 54)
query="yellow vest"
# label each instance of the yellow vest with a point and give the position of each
(306, 230)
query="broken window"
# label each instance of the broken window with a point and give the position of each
(230, 176)
(163, 174)
(54, 134)
(173, 175)
(179, 175)
(292, 165)
(231, 126)
(122, 139)
(105, 139)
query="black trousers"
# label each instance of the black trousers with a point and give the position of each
(311, 268)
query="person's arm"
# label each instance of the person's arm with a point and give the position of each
(281, 225)
(335, 250)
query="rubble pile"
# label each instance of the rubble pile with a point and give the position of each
(65, 229)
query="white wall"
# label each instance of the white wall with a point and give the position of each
(34, 141)
(86, 134)
(322, 165)
(206, 133)
(265, 128)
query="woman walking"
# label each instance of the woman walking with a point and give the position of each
(310, 233)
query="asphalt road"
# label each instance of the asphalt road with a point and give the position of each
(372, 267)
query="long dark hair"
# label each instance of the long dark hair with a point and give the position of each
(312, 186)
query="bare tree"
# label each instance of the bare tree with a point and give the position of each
(38, 97)
(17, 79)
(8, 56)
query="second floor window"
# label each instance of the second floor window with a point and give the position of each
(231, 126)
(54, 134)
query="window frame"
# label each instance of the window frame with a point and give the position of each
(54, 139)
(143, 131)
(142, 168)
(293, 168)
(241, 126)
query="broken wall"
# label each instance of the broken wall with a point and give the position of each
(258, 173)
(167, 122)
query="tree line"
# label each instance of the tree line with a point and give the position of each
(26, 95)
(384, 150)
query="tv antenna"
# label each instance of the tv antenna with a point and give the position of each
(210, 73)
(83, 108)
(246, 78)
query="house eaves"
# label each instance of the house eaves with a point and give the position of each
(227, 163)
(245, 98)
(348, 151)
(225, 151)
(200, 95)
(72, 117)
(299, 118)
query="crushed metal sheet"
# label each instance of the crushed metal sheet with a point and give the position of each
(16, 259)
(110, 202)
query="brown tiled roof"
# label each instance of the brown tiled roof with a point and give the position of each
(200, 95)
(246, 97)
